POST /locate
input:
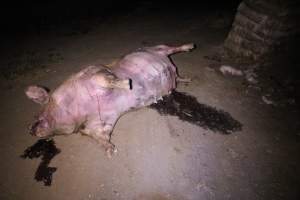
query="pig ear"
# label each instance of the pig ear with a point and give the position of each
(37, 94)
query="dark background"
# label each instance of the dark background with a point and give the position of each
(21, 17)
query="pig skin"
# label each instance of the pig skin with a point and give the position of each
(83, 105)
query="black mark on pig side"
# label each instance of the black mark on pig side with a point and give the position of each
(45, 149)
(130, 84)
(187, 108)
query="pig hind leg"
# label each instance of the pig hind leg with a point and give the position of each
(167, 50)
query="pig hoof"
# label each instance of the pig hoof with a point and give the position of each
(187, 47)
(109, 154)
(110, 151)
(115, 150)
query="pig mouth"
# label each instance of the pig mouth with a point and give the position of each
(34, 130)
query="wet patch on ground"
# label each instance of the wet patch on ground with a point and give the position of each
(45, 149)
(187, 108)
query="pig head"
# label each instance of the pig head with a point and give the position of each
(92, 100)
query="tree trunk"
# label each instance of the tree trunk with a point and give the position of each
(260, 27)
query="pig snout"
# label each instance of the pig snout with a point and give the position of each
(33, 128)
(40, 128)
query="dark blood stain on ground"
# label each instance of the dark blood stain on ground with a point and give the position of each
(47, 150)
(187, 108)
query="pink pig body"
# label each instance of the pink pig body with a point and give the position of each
(83, 105)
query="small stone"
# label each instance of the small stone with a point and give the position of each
(225, 69)
(267, 101)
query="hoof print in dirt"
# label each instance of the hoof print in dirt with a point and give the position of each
(45, 149)
(187, 108)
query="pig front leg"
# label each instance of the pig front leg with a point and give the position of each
(101, 133)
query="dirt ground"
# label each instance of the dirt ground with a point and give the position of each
(159, 157)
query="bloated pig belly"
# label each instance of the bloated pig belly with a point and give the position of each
(152, 76)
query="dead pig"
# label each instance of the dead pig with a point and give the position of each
(92, 100)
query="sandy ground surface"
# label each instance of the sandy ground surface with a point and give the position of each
(159, 157)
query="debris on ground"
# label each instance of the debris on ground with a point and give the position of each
(267, 101)
(251, 76)
(226, 69)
